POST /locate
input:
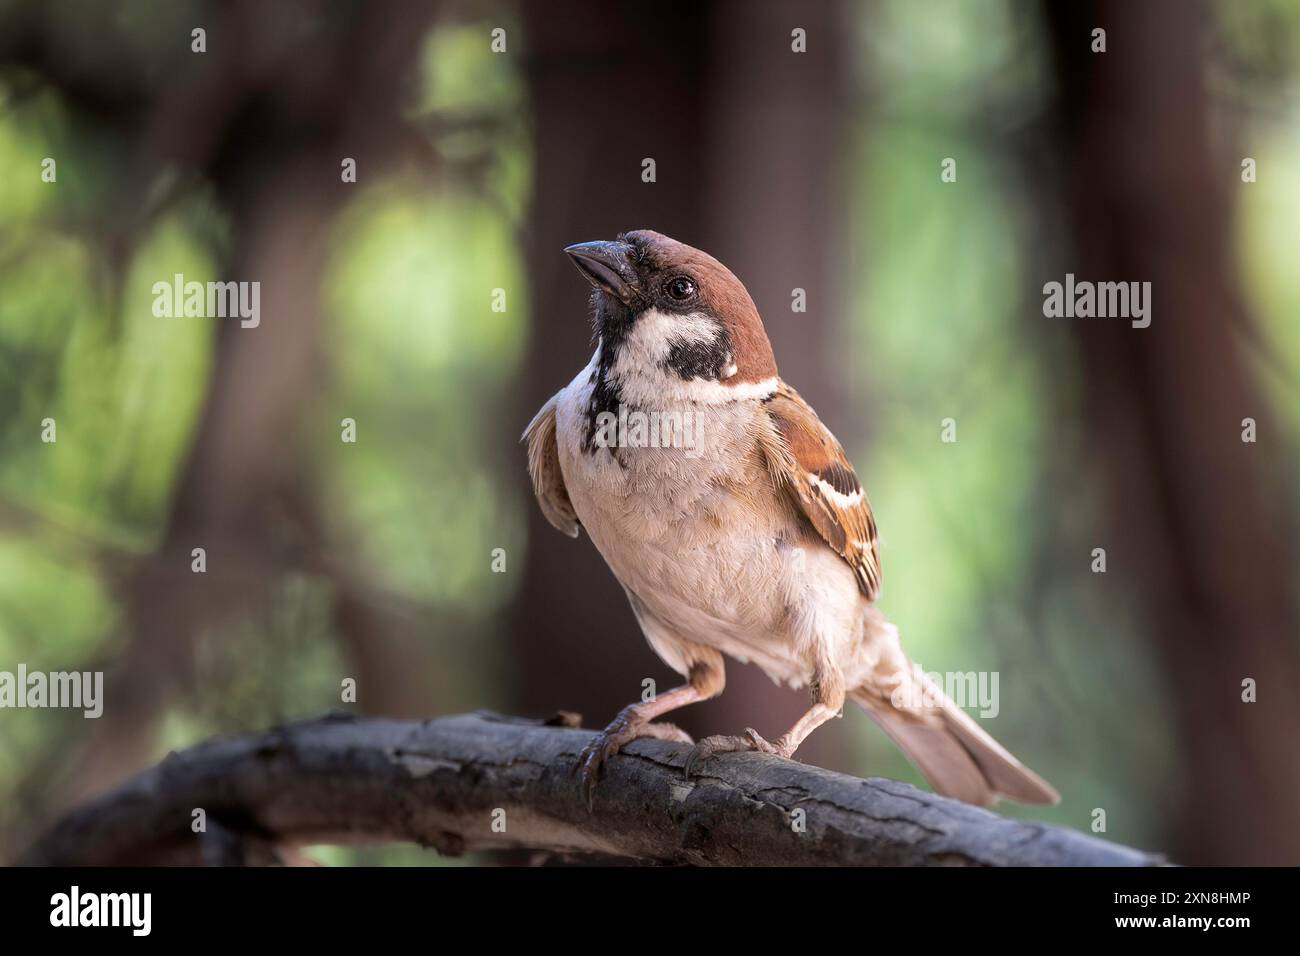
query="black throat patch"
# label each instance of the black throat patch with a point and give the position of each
(612, 321)
(688, 360)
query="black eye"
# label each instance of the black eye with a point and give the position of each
(681, 288)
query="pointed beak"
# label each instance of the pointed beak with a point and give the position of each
(608, 266)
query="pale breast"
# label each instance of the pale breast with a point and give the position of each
(699, 534)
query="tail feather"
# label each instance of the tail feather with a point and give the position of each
(953, 752)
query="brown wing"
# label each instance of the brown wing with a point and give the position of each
(544, 469)
(810, 465)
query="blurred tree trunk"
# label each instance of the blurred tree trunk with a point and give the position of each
(1197, 524)
(271, 149)
(744, 135)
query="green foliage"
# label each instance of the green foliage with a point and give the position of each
(412, 350)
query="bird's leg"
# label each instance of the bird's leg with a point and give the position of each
(828, 702)
(706, 679)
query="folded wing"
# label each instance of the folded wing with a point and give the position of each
(544, 469)
(807, 461)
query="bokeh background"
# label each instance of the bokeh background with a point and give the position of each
(816, 170)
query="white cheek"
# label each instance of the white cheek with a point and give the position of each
(655, 333)
(639, 367)
(643, 380)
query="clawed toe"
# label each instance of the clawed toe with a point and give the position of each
(666, 731)
(752, 740)
(610, 741)
(593, 757)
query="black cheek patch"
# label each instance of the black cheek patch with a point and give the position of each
(699, 359)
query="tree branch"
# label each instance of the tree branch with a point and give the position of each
(445, 783)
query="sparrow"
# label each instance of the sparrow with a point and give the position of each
(756, 543)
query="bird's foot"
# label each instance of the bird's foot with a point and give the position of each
(662, 730)
(751, 740)
(624, 729)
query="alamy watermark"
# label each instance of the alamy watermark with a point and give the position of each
(133, 911)
(208, 300)
(1102, 300)
(965, 688)
(59, 690)
(633, 428)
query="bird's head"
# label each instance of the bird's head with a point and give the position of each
(674, 323)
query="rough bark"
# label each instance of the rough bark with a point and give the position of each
(445, 782)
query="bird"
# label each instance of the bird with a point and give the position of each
(753, 541)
